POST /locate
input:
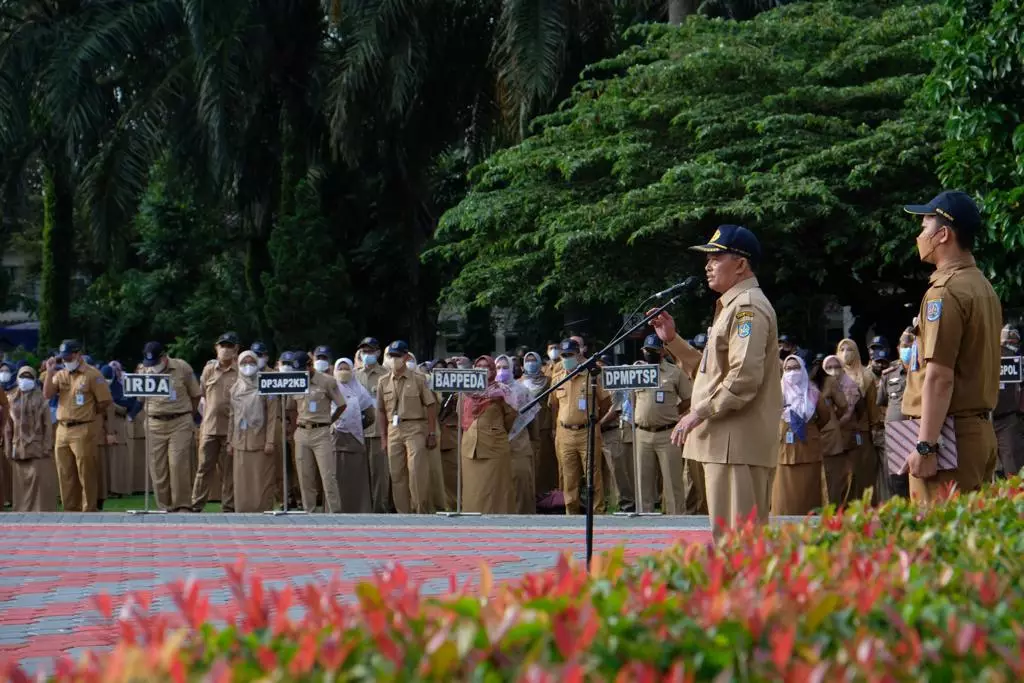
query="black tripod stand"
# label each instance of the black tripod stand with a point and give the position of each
(590, 367)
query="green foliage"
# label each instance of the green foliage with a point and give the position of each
(308, 286)
(800, 123)
(58, 246)
(900, 593)
(978, 86)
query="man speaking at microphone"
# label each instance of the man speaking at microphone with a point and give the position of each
(733, 421)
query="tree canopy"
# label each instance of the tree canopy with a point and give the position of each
(803, 124)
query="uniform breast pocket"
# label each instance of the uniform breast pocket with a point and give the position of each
(562, 394)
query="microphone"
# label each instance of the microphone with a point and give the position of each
(692, 282)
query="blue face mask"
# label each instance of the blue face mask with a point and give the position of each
(370, 359)
(569, 364)
(905, 353)
(531, 367)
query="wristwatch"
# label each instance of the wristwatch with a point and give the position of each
(925, 448)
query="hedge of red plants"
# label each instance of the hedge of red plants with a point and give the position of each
(898, 593)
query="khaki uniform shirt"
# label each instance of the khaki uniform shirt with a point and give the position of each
(216, 383)
(28, 430)
(833, 438)
(736, 387)
(959, 323)
(184, 389)
(660, 407)
(569, 401)
(250, 439)
(315, 407)
(370, 378)
(406, 396)
(83, 394)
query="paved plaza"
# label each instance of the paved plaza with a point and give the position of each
(53, 564)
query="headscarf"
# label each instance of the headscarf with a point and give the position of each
(800, 398)
(535, 383)
(849, 387)
(24, 406)
(10, 365)
(475, 404)
(246, 403)
(856, 369)
(357, 399)
(118, 369)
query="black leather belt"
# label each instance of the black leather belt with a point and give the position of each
(168, 418)
(655, 430)
(574, 428)
(72, 423)
(314, 425)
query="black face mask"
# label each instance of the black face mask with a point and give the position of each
(652, 358)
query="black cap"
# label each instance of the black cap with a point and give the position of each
(606, 359)
(653, 341)
(68, 347)
(732, 239)
(878, 354)
(324, 351)
(151, 353)
(787, 339)
(569, 346)
(878, 343)
(286, 358)
(259, 348)
(300, 359)
(228, 338)
(956, 207)
(370, 342)
(398, 348)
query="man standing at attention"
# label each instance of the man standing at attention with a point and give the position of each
(732, 425)
(954, 363)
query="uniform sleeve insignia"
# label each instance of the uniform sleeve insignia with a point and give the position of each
(743, 329)
(933, 310)
(743, 315)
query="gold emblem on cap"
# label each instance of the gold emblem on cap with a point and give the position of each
(716, 236)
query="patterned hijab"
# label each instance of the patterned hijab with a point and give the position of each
(246, 403)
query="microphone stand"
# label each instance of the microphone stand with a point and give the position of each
(590, 367)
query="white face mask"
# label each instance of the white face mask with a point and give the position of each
(248, 369)
(261, 363)
(790, 376)
(370, 359)
(5, 377)
(553, 354)
(409, 364)
(322, 366)
(72, 365)
(26, 384)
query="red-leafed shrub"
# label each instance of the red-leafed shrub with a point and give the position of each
(900, 593)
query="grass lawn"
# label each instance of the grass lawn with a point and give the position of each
(136, 502)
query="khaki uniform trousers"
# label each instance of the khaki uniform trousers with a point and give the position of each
(380, 477)
(838, 477)
(77, 459)
(659, 456)
(733, 492)
(571, 450)
(318, 466)
(694, 488)
(618, 459)
(213, 454)
(410, 467)
(170, 461)
(977, 453)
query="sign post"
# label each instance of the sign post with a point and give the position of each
(147, 386)
(282, 385)
(458, 381)
(1010, 370)
(633, 378)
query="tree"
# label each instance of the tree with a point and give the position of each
(978, 87)
(801, 123)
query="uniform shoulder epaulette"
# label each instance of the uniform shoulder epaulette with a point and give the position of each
(212, 361)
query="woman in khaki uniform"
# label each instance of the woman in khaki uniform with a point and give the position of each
(448, 419)
(542, 428)
(252, 437)
(29, 435)
(833, 444)
(487, 419)
(867, 415)
(118, 456)
(349, 441)
(839, 468)
(797, 487)
(523, 482)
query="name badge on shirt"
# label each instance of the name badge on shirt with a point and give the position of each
(659, 396)
(394, 420)
(242, 424)
(312, 406)
(582, 404)
(789, 437)
(174, 395)
(79, 399)
(857, 439)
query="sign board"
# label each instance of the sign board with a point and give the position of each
(457, 381)
(146, 386)
(1010, 370)
(628, 377)
(282, 383)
